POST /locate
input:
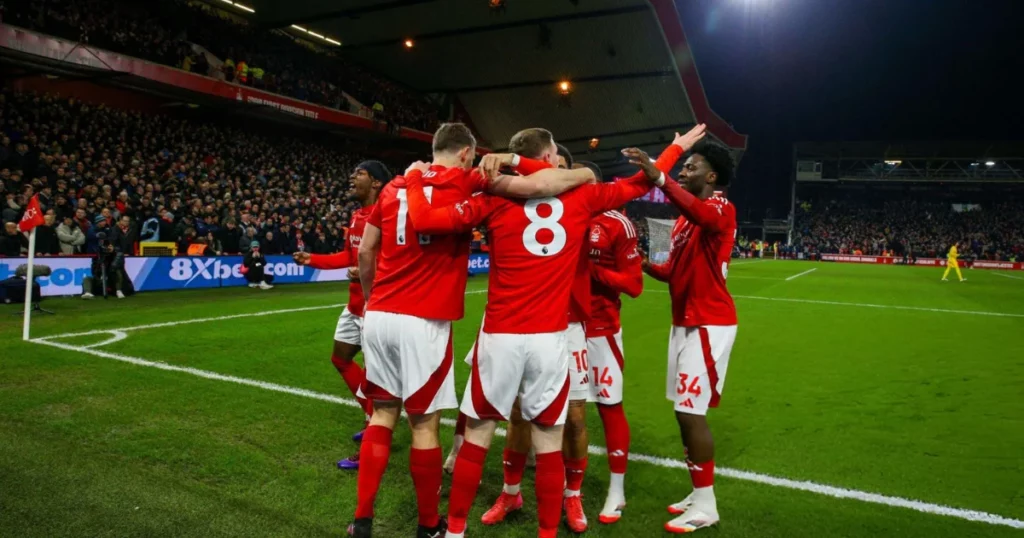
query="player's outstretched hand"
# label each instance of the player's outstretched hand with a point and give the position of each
(301, 258)
(691, 137)
(645, 265)
(640, 158)
(418, 165)
(491, 164)
(353, 274)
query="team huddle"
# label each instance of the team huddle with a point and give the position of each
(551, 339)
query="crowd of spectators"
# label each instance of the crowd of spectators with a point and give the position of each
(166, 32)
(915, 228)
(138, 177)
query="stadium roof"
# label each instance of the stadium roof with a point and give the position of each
(633, 76)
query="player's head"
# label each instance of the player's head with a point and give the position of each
(368, 177)
(710, 166)
(564, 157)
(598, 176)
(454, 142)
(535, 143)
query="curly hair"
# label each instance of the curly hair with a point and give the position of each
(719, 158)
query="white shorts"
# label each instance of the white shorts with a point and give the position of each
(410, 359)
(534, 367)
(349, 329)
(606, 367)
(698, 358)
(579, 365)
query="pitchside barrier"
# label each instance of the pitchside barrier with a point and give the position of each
(152, 273)
(929, 262)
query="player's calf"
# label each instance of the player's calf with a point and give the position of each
(616, 433)
(425, 466)
(550, 477)
(574, 453)
(373, 456)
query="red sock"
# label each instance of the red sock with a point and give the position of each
(373, 460)
(616, 436)
(469, 469)
(515, 464)
(354, 377)
(702, 474)
(460, 424)
(574, 471)
(549, 481)
(425, 466)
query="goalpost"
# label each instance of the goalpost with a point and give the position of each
(659, 233)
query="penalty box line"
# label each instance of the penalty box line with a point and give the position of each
(737, 474)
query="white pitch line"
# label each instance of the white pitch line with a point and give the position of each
(802, 274)
(811, 487)
(1009, 276)
(198, 320)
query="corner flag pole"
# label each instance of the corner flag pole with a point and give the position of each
(29, 283)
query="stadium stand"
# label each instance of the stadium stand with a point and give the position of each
(179, 177)
(194, 37)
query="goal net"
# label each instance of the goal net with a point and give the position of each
(659, 232)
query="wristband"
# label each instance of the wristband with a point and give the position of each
(515, 161)
(661, 180)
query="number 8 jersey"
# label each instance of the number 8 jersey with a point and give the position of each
(535, 245)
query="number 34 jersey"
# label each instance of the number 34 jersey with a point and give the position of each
(535, 247)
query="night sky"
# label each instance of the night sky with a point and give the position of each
(783, 71)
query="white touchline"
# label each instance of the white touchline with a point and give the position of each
(802, 274)
(812, 487)
(1009, 276)
(869, 305)
(121, 330)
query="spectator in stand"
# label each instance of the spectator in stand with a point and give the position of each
(254, 265)
(124, 236)
(70, 236)
(13, 241)
(47, 243)
(230, 237)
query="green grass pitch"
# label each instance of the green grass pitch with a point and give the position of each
(876, 379)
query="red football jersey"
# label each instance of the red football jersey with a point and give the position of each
(535, 248)
(417, 274)
(615, 270)
(348, 258)
(698, 260)
(579, 297)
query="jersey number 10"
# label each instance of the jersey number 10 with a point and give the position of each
(403, 215)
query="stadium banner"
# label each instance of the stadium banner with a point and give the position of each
(66, 278)
(168, 273)
(928, 262)
(479, 264)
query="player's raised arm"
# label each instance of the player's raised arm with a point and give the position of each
(425, 219)
(369, 246)
(614, 195)
(627, 276)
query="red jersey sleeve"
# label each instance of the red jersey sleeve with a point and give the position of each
(374, 217)
(660, 271)
(338, 260)
(529, 166)
(458, 217)
(602, 197)
(626, 277)
(708, 216)
(476, 181)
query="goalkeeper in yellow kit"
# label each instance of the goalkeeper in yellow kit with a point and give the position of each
(951, 263)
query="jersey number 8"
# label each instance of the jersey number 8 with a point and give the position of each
(403, 215)
(538, 223)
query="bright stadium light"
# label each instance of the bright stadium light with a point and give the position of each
(564, 87)
(314, 34)
(299, 28)
(990, 163)
(409, 43)
(246, 8)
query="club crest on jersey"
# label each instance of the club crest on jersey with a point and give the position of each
(595, 234)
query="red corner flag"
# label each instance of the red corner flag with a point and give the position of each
(33, 215)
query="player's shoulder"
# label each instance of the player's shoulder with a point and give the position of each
(615, 221)
(720, 202)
